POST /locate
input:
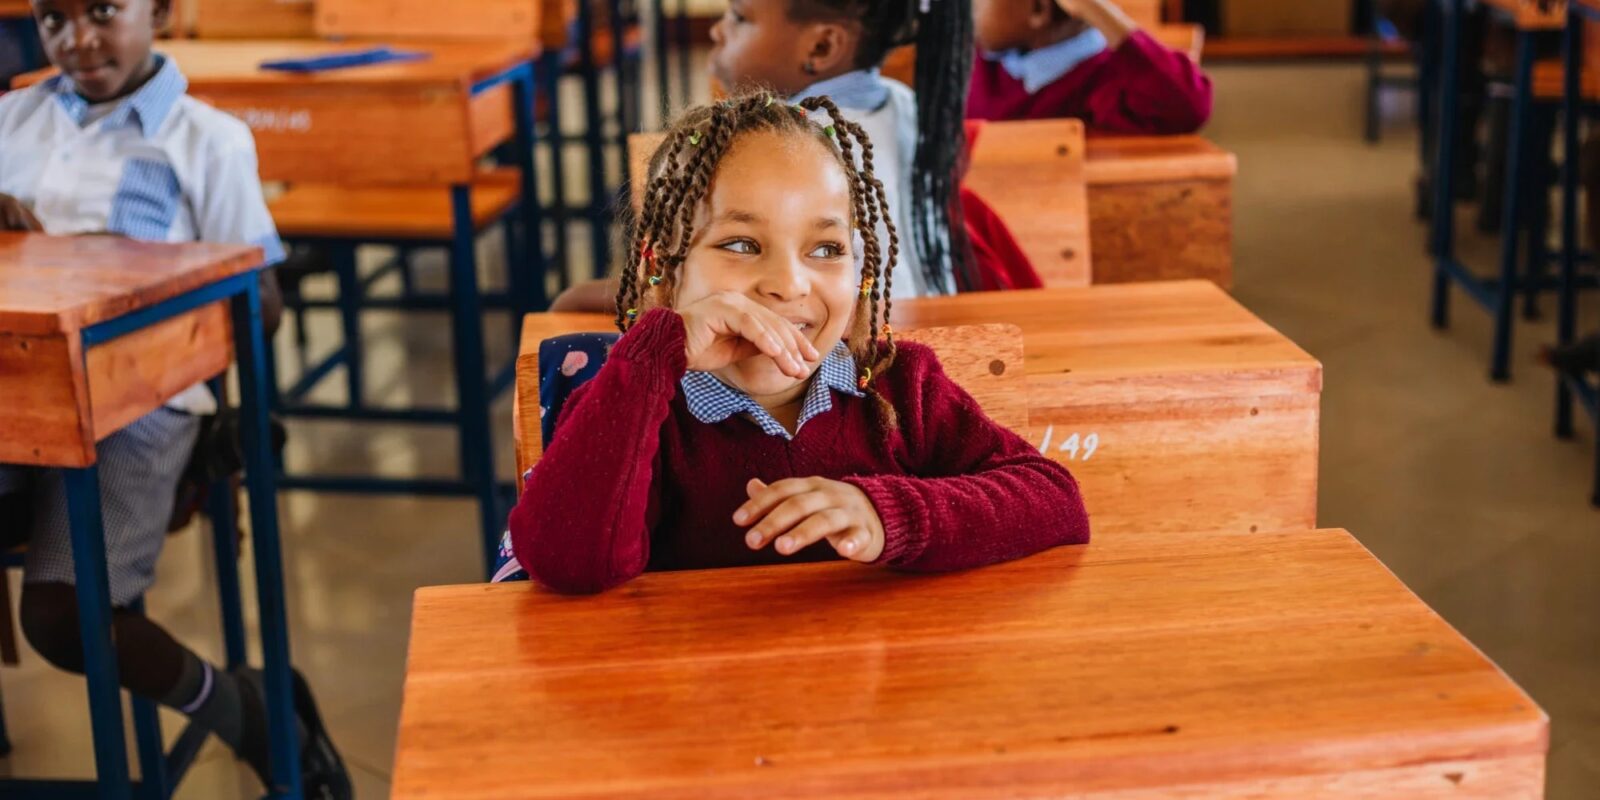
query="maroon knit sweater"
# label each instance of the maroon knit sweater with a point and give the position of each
(1140, 88)
(632, 481)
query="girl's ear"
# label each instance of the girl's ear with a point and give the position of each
(830, 49)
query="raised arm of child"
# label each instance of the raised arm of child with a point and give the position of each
(1148, 88)
(977, 493)
(584, 520)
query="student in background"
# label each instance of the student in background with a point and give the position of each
(835, 48)
(758, 409)
(114, 145)
(1083, 59)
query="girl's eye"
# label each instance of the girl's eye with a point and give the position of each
(743, 247)
(102, 12)
(828, 250)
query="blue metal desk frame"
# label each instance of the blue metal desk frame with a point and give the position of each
(474, 390)
(1570, 389)
(1494, 294)
(160, 774)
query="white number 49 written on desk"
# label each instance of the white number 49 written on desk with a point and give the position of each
(1078, 447)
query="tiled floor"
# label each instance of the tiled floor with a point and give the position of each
(1454, 482)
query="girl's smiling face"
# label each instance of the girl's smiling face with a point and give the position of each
(776, 226)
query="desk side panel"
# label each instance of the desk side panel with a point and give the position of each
(133, 375)
(44, 419)
(409, 135)
(1162, 231)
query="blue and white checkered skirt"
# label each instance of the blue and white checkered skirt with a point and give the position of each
(139, 469)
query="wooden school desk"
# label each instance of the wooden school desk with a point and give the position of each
(16, 9)
(1282, 665)
(96, 332)
(1175, 407)
(1160, 208)
(423, 122)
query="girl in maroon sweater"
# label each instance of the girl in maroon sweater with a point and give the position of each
(1083, 59)
(757, 409)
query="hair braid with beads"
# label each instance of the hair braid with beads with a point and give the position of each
(681, 172)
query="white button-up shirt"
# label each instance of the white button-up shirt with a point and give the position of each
(156, 165)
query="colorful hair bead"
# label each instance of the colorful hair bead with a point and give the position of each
(866, 286)
(866, 377)
(830, 131)
(887, 331)
(801, 109)
(632, 313)
(694, 139)
(655, 280)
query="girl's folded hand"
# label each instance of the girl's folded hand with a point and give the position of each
(798, 512)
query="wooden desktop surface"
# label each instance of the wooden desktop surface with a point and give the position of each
(1281, 665)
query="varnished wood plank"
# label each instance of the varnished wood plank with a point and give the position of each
(1160, 208)
(254, 19)
(16, 9)
(408, 122)
(1173, 405)
(44, 420)
(1174, 665)
(52, 284)
(383, 212)
(133, 374)
(465, 19)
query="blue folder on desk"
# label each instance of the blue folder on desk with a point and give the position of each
(351, 58)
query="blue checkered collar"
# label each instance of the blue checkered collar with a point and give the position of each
(1041, 67)
(148, 106)
(711, 401)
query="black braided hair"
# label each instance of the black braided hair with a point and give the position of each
(681, 171)
(943, 36)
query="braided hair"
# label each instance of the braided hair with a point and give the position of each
(942, 32)
(681, 171)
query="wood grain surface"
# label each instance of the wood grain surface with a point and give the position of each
(1283, 665)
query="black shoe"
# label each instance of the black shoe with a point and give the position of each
(322, 772)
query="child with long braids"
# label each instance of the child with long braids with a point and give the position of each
(835, 48)
(757, 405)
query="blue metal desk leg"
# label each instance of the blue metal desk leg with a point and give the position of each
(528, 273)
(476, 448)
(1566, 314)
(350, 295)
(260, 476)
(1542, 170)
(147, 735)
(548, 73)
(1444, 163)
(595, 138)
(220, 507)
(1516, 161)
(94, 625)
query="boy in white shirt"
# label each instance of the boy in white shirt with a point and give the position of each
(114, 145)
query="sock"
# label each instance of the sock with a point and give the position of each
(211, 698)
(253, 745)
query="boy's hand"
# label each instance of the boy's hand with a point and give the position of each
(14, 216)
(798, 512)
(727, 327)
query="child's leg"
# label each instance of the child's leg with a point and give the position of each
(139, 468)
(16, 509)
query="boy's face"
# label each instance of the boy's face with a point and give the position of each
(999, 25)
(776, 227)
(756, 45)
(102, 45)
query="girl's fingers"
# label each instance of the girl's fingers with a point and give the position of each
(752, 326)
(764, 497)
(812, 529)
(786, 515)
(851, 543)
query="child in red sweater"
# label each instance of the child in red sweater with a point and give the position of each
(758, 406)
(1083, 59)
